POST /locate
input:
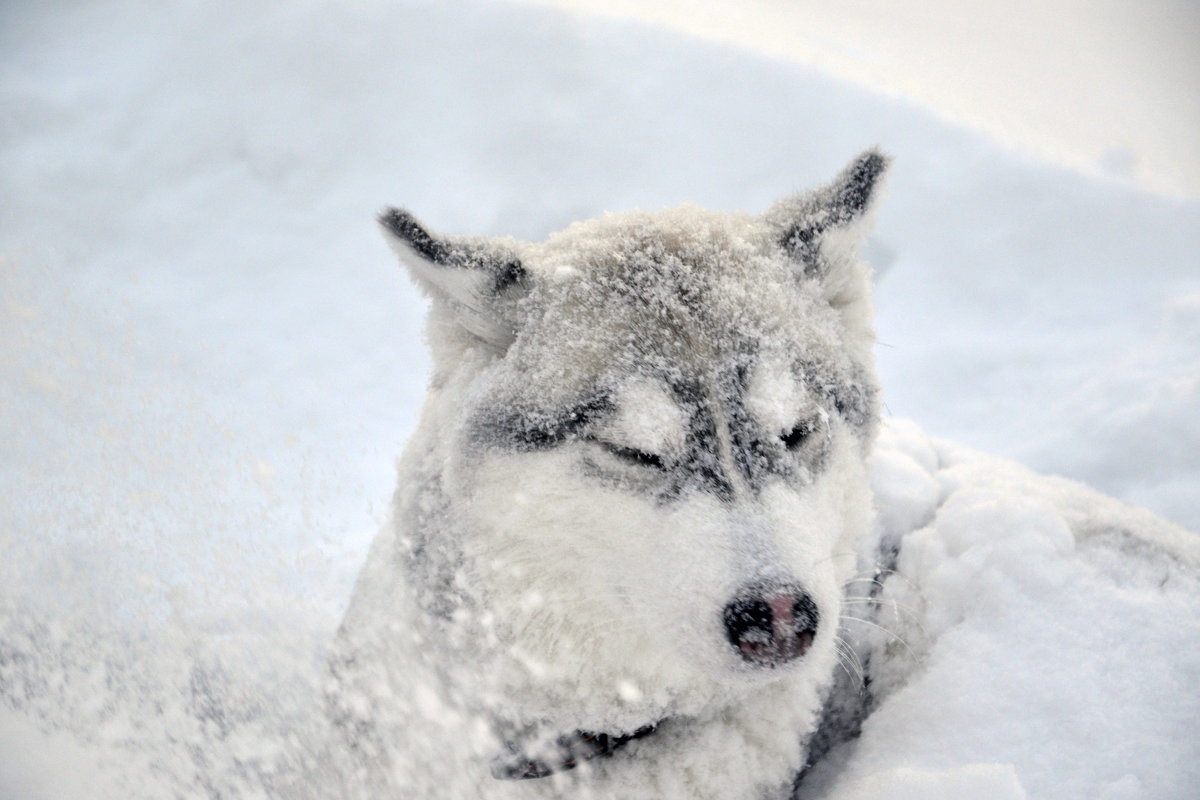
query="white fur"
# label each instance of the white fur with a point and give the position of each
(647, 418)
(526, 592)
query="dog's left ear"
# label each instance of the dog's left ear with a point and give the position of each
(820, 230)
(478, 279)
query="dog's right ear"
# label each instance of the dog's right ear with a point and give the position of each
(476, 278)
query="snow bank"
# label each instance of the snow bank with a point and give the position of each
(1047, 629)
(209, 362)
(1122, 99)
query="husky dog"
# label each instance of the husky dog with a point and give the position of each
(624, 523)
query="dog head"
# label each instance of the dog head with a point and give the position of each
(650, 441)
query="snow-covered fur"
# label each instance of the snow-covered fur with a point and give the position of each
(624, 523)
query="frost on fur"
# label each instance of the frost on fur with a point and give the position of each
(471, 275)
(624, 523)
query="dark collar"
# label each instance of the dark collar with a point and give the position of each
(568, 752)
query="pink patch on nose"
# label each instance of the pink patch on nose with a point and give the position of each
(771, 625)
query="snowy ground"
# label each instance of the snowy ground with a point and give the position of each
(1106, 86)
(210, 360)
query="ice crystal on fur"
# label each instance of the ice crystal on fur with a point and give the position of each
(625, 521)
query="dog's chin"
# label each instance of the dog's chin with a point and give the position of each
(722, 666)
(619, 709)
(558, 742)
(737, 675)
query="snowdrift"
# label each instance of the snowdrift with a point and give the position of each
(209, 362)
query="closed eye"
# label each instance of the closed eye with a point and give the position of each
(797, 435)
(633, 456)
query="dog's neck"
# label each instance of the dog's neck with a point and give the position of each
(566, 753)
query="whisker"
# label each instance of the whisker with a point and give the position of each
(846, 655)
(895, 636)
(889, 572)
(913, 616)
(880, 603)
(850, 675)
(863, 579)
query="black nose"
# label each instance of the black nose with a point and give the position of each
(771, 624)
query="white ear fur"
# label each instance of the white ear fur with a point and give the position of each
(474, 278)
(820, 230)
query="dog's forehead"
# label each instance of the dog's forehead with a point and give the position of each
(658, 324)
(663, 259)
(685, 289)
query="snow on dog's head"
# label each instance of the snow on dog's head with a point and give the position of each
(647, 437)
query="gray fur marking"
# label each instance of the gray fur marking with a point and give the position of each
(759, 455)
(839, 204)
(404, 226)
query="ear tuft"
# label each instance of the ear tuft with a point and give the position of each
(404, 226)
(807, 220)
(475, 278)
(857, 186)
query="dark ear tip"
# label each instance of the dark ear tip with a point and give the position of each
(404, 226)
(858, 184)
(399, 222)
(870, 166)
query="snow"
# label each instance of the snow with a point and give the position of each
(1057, 618)
(1106, 87)
(210, 361)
